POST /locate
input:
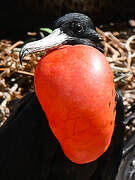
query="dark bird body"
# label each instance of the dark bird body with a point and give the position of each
(30, 151)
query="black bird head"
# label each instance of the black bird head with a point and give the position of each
(80, 27)
(71, 29)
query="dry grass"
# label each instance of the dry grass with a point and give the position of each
(17, 80)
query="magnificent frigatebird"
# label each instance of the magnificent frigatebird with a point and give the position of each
(71, 128)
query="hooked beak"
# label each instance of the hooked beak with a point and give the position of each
(56, 39)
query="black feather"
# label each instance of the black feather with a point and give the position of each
(29, 150)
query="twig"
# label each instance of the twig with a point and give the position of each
(17, 71)
(114, 39)
(15, 45)
(127, 45)
(25, 73)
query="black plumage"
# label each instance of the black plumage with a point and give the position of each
(29, 150)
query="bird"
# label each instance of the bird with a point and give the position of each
(71, 127)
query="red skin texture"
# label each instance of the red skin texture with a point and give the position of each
(75, 88)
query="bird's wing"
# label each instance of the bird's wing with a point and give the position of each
(27, 145)
(127, 165)
(30, 151)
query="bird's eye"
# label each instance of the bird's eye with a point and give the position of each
(77, 27)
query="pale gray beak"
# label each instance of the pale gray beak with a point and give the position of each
(56, 39)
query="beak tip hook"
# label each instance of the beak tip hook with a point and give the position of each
(21, 57)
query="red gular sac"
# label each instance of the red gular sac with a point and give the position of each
(74, 85)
